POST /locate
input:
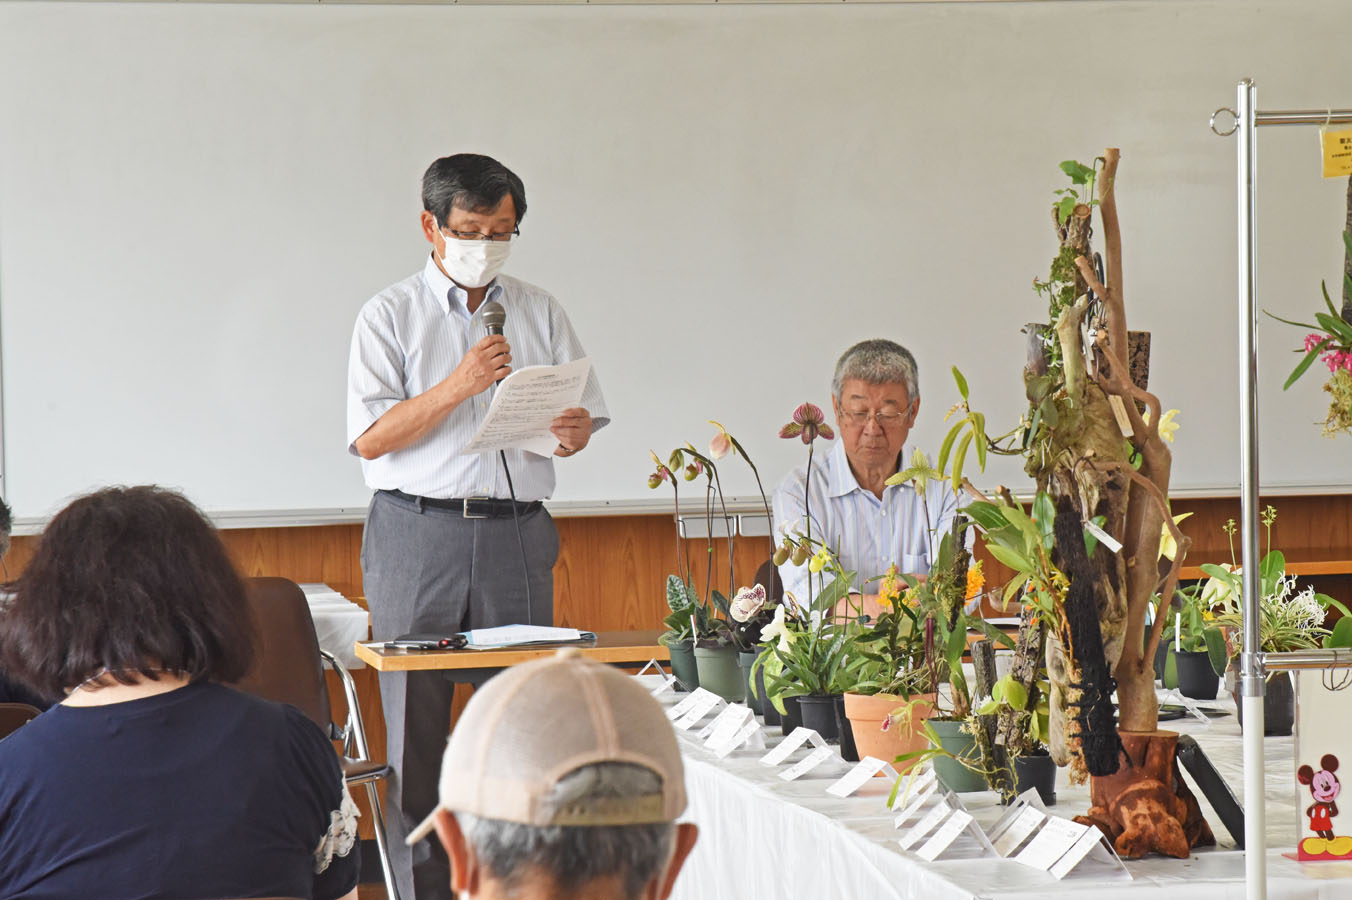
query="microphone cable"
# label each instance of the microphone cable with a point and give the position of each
(520, 541)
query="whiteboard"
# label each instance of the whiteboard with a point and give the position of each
(195, 200)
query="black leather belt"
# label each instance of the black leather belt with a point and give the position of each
(472, 507)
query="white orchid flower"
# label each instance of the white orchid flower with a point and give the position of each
(748, 602)
(778, 628)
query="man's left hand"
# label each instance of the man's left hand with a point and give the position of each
(573, 428)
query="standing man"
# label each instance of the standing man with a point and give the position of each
(869, 524)
(440, 551)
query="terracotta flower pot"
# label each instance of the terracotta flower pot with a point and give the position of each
(869, 713)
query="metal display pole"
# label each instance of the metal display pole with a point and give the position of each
(1252, 668)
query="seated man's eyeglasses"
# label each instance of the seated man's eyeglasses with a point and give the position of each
(858, 418)
(480, 236)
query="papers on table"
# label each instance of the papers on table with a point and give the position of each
(525, 403)
(339, 623)
(524, 635)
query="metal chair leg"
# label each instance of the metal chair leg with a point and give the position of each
(378, 821)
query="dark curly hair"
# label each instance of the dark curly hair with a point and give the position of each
(132, 580)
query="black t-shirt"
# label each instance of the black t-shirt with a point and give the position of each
(202, 792)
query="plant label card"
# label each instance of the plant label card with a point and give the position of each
(859, 776)
(1091, 845)
(915, 805)
(1120, 413)
(916, 782)
(726, 723)
(1323, 758)
(685, 705)
(749, 733)
(953, 826)
(936, 815)
(1024, 824)
(808, 763)
(1104, 538)
(665, 683)
(705, 701)
(1056, 836)
(796, 739)
(1337, 152)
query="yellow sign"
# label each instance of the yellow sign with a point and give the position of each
(1337, 147)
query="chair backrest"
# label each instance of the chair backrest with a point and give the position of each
(287, 667)
(13, 715)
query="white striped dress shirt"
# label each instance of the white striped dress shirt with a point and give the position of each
(868, 534)
(412, 335)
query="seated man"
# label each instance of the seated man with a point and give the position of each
(875, 394)
(562, 779)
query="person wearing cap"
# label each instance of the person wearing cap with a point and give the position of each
(445, 548)
(562, 779)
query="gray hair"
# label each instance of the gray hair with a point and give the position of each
(573, 856)
(878, 361)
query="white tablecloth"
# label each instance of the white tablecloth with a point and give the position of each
(761, 837)
(339, 623)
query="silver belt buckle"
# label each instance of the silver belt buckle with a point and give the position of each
(465, 509)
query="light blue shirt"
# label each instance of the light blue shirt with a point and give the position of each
(867, 534)
(413, 334)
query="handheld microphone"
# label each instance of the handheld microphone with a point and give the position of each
(494, 316)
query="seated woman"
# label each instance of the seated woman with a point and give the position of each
(150, 779)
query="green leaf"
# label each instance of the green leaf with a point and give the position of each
(962, 383)
(1334, 325)
(1019, 519)
(979, 427)
(1020, 564)
(1327, 302)
(1289, 322)
(1341, 636)
(1270, 569)
(987, 515)
(1090, 540)
(1013, 586)
(1079, 173)
(1016, 695)
(989, 708)
(958, 456)
(1044, 514)
(1049, 415)
(1305, 363)
(1064, 208)
(947, 446)
(1216, 650)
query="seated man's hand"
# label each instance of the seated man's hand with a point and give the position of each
(857, 605)
(573, 429)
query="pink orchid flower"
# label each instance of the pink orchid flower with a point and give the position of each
(808, 423)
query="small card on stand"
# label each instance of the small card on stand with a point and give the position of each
(1016, 831)
(936, 815)
(859, 776)
(953, 826)
(1055, 837)
(915, 804)
(727, 723)
(1092, 845)
(749, 735)
(795, 739)
(914, 783)
(703, 703)
(808, 763)
(667, 682)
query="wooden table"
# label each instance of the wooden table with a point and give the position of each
(609, 647)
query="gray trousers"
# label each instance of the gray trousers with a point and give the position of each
(431, 570)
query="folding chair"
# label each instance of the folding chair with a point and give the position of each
(289, 668)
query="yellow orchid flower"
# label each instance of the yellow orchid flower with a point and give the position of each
(1168, 546)
(1167, 425)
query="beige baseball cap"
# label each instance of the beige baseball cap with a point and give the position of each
(535, 723)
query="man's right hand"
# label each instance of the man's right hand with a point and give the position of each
(486, 362)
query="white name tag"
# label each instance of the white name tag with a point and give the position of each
(925, 825)
(808, 763)
(916, 782)
(1023, 825)
(1056, 836)
(725, 724)
(859, 776)
(915, 805)
(795, 739)
(749, 734)
(704, 702)
(953, 826)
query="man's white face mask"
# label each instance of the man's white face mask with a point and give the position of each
(473, 264)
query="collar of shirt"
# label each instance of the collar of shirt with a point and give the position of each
(443, 288)
(840, 480)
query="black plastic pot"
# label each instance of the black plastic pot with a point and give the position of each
(848, 751)
(1279, 706)
(1036, 772)
(1196, 677)
(792, 718)
(819, 714)
(767, 708)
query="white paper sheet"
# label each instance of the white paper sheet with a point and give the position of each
(525, 403)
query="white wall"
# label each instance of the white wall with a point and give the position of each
(195, 199)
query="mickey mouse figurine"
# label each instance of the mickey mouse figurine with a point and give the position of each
(1324, 787)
